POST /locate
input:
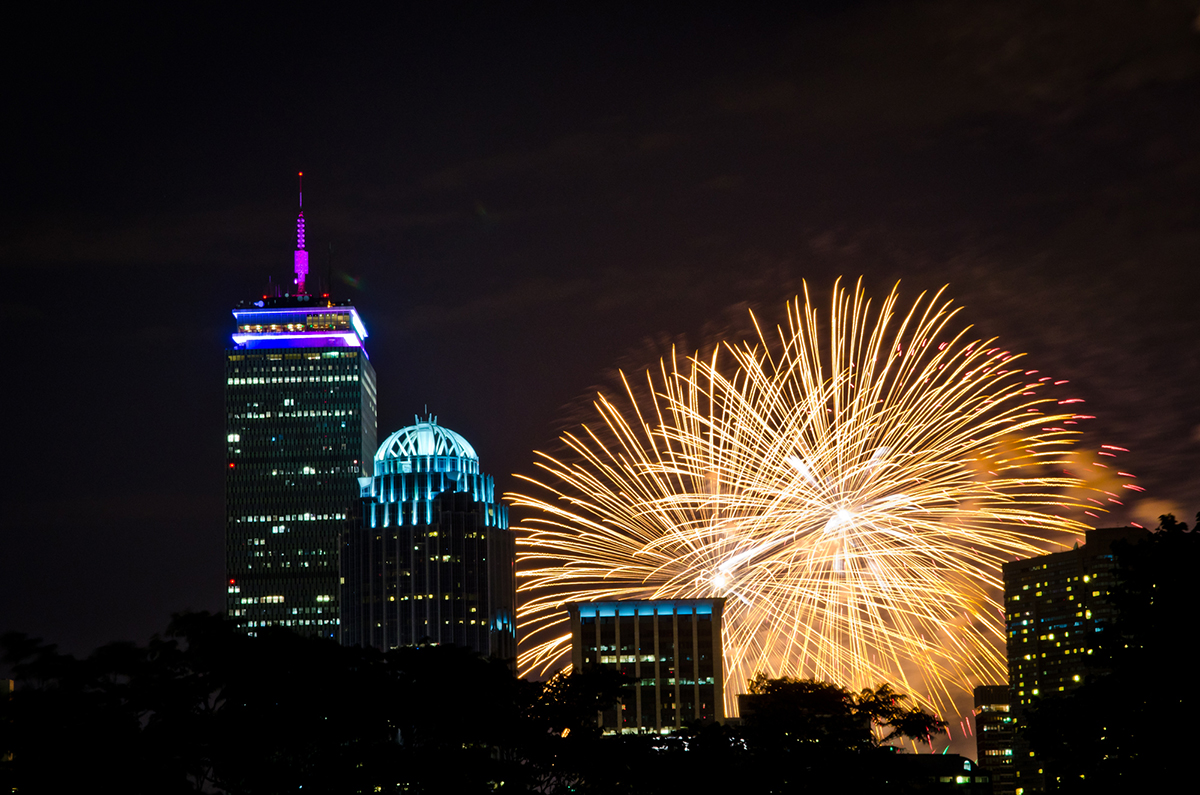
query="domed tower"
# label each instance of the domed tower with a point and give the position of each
(432, 559)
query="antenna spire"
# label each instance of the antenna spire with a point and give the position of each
(301, 256)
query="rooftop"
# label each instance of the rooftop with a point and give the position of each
(425, 438)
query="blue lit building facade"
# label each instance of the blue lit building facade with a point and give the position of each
(432, 559)
(300, 408)
(668, 650)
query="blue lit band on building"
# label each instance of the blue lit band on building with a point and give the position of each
(669, 652)
(305, 326)
(432, 559)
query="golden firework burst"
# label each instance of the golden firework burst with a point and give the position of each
(852, 500)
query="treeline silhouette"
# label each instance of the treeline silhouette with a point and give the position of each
(204, 708)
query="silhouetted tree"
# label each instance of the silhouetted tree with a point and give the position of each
(803, 732)
(562, 746)
(205, 708)
(893, 718)
(209, 709)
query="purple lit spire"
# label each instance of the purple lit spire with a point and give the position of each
(301, 258)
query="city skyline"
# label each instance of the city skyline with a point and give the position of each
(520, 205)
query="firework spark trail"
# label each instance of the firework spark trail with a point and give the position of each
(853, 500)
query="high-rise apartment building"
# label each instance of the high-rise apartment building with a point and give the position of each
(1056, 609)
(300, 409)
(1055, 606)
(669, 651)
(432, 559)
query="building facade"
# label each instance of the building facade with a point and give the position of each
(300, 408)
(1056, 609)
(669, 652)
(995, 732)
(432, 559)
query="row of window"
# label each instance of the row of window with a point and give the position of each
(308, 355)
(234, 589)
(289, 379)
(472, 622)
(331, 322)
(294, 623)
(277, 599)
(303, 414)
(434, 534)
(294, 517)
(256, 461)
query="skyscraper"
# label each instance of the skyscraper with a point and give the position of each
(1056, 606)
(669, 651)
(300, 409)
(432, 559)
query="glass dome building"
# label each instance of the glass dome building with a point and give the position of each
(432, 558)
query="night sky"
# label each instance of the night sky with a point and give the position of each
(521, 201)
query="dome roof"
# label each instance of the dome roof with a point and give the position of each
(424, 438)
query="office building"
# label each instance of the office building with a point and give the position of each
(995, 732)
(669, 652)
(300, 409)
(432, 559)
(1056, 609)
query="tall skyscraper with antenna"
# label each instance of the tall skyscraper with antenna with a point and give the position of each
(300, 409)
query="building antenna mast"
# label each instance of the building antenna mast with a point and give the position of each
(301, 256)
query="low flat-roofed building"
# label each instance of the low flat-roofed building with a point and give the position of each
(940, 773)
(669, 651)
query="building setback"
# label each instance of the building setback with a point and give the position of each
(300, 407)
(669, 652)
(1055, 608)
(432, 559)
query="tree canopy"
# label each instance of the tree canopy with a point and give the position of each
(203, 708)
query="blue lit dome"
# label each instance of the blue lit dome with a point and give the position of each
(425, 438)
(417, 463)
